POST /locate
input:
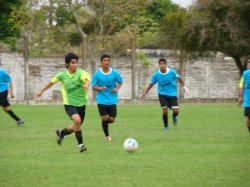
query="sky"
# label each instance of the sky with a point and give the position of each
(183, 3)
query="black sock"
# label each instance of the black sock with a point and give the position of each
(248, 129)
(13, 115)
(175, 114)
(105, 128)
(165, 119)
(78, 135)
(65, 132)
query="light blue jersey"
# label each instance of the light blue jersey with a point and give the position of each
(246, 87)
(4, 80)
(166, 82)
(109, 80)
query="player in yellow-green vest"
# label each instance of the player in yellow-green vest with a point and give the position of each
(75, 84)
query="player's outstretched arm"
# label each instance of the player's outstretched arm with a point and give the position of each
(11, 90)
(147, 90)
(184, 87)
(240, 100)
(47, 86)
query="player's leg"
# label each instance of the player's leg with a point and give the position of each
(173, 104)
(164, 105)
(165, 117)
(103, 111)
(5, 105)
(247, 114)
(112, 113)
(248, 123)
(61, 133)
(81, 111)
(77, 115)
(77, 121)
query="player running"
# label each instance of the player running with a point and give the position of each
(244, 96)
(75, 84)
(106, 81)
(167, 90)
(5, 84)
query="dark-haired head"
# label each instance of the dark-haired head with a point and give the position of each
(69, 57)
(162, 60)
(105, 56)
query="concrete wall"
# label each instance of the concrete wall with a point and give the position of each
(207, 79)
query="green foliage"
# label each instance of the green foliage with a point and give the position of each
(9, 33)
(142, 57)
(63, 16)
(62, 23)
(173, 30)
(159, 8)
(75, 39)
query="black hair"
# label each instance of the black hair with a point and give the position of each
(105, 56)
(162, 60)
(69, 57)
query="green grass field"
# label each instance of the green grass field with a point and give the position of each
(209, 147)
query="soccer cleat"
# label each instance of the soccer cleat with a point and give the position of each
(59, 136)
(108, 138)
(82, 148)
(174, 120)
(20, 123)
(166, 128)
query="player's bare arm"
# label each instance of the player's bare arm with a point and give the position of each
(147, 90)
(86, 85)
(11, 90)
(117, 88)
(97, 88)
(240, 100)
(47, 86)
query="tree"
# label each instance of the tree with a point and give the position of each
(8, 33)
(216, 25)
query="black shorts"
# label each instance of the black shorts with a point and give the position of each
(110, 110)
(168, 101)
(247, 112)
(4, 99)
(71, 110)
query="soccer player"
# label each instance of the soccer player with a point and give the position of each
(106, 81)
(167, 90)
(5, 84)
(244, 96)
(75, 83)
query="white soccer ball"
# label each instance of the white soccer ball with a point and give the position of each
(130, 145)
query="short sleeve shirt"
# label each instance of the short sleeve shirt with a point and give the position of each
(73, 91)
(109, 80)
(167, 84)
(4, 80)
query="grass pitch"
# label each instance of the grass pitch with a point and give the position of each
(209, 147)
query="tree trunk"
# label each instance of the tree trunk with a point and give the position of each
(133, 61)
(181, 72)
(238, 63)
(26, 67)
(84, 52)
